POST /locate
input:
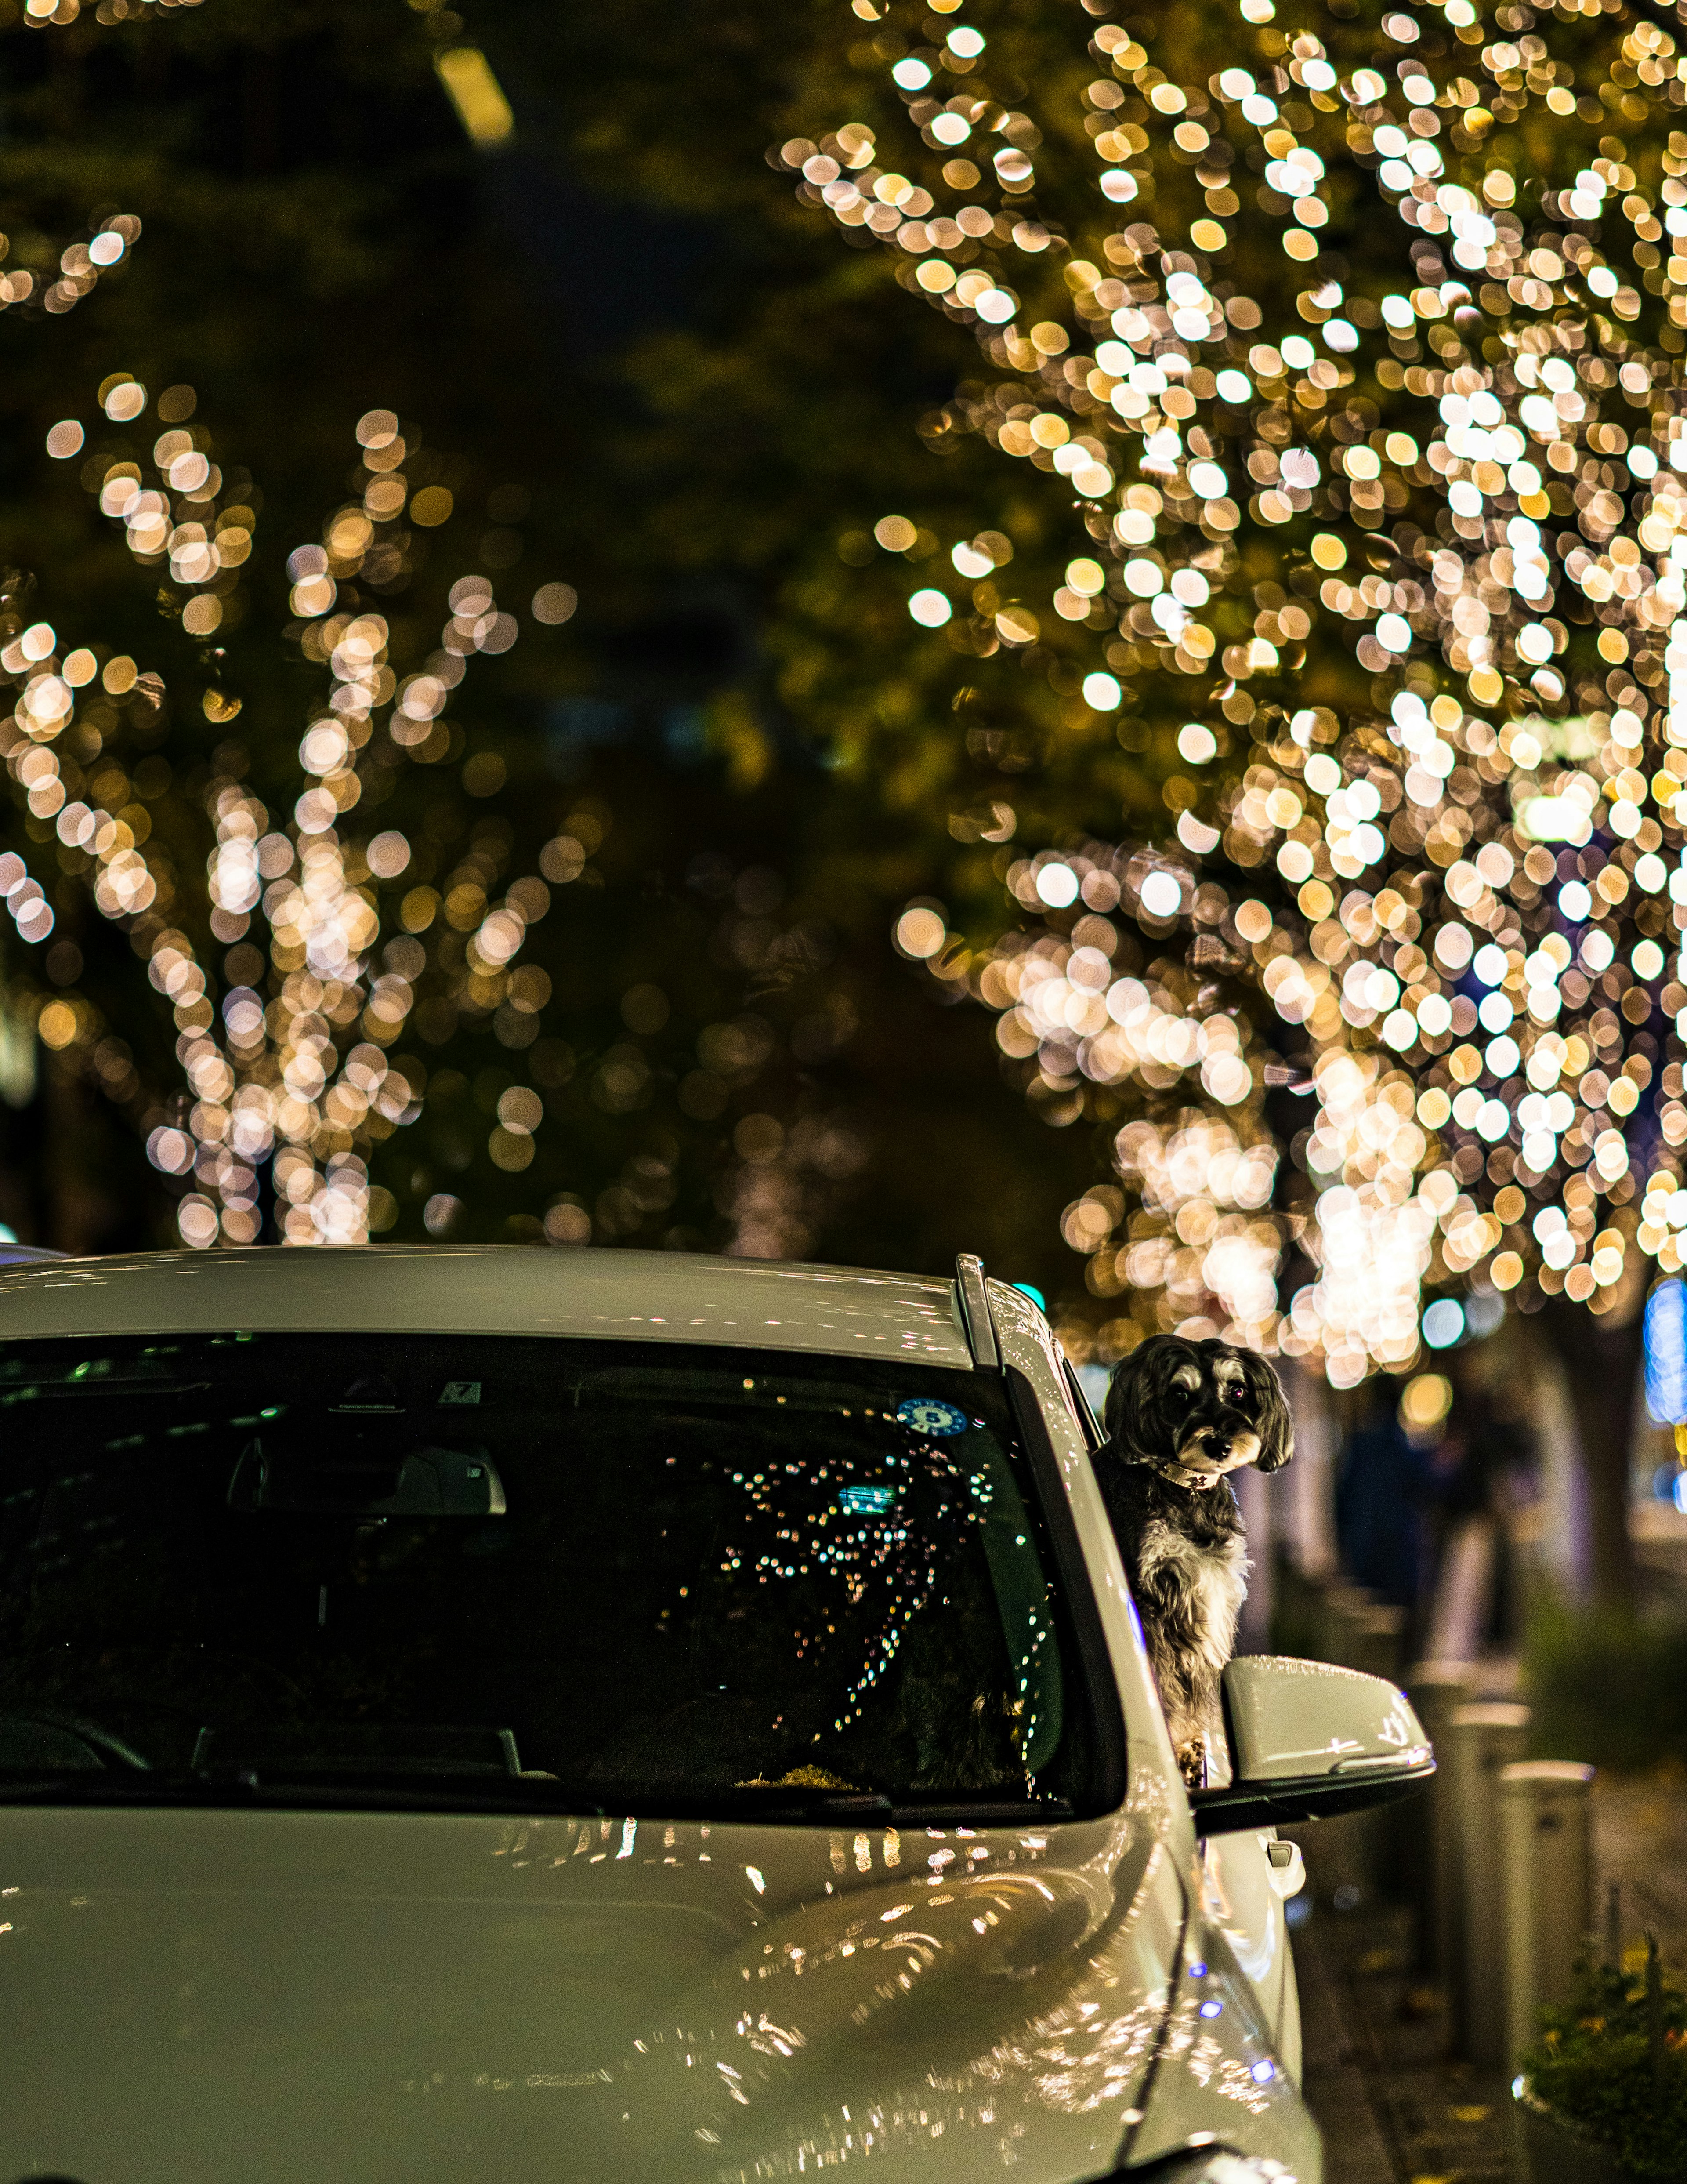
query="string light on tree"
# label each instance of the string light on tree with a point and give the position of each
(1407, 536)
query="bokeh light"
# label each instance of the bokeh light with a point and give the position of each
(1461, 500)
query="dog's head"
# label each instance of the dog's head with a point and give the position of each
(1202, 1407)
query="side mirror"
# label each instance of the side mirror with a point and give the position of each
(1309, 1740)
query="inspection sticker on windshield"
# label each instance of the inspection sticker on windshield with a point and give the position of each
(460, 1391)
(925, 1414)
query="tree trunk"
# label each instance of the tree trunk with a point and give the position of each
(1601, 1363)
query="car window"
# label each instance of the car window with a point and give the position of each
(597, 1572)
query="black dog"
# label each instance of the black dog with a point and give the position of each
(1180, 1415)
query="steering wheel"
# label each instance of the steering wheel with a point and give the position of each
(66, 1742)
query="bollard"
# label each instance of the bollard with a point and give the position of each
(1546, 1849)
(1376, 1641)
(1481, 1740)
(1359, 1632)
(1437, 1689)
(1334, 1605)
(1352, 1861)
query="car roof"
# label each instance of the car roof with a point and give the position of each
(621, 1295)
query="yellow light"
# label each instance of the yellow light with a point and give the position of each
(477, 94)
(56, 1024)
(1427, 1398)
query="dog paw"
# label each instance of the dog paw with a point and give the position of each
(1192, 1763)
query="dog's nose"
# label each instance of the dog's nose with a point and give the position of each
(1222, 1441)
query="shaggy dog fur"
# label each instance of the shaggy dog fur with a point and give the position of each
(1181, 1415)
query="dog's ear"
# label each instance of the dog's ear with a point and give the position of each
(1271, 1412)
(1129, 1413)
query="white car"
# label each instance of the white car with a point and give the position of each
(512, 1716)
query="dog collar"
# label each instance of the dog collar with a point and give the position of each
(1180, 1474)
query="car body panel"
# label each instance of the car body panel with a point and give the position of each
(190, 1992)
(1240, 1896)
(275, 1995)
(635, 1297)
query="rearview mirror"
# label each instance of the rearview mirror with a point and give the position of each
(1309, 1740)
(342, 1474)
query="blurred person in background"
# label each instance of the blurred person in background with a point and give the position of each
(1480, 1469)
(1384, 1486)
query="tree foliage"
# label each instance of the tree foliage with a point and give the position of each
(1372, 507)
(578, 934)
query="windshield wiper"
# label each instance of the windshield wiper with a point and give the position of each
(88, 1786)
(92, 1786)
(384, 1790)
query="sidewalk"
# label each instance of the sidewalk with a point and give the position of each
(1333, 2082)
(1392, 2107)
(1388, 2102)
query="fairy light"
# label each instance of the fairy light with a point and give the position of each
(1471, 875)
(1466, 492)
(287, 1078)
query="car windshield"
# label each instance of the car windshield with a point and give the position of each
(608, 1574)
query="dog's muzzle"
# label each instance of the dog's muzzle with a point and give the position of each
(1209, 1448)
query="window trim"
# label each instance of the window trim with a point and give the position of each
(1101, 1691)
(1091, 1425)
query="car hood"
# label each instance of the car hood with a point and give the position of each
(189, 1995)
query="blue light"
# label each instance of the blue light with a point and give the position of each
(1212, 2009)
(1197, 1971)
(1036, 1296)
(1444, 1323)
(1665, 1345)
(1263, 2073)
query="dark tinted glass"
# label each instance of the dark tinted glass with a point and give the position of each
(636, 1572)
